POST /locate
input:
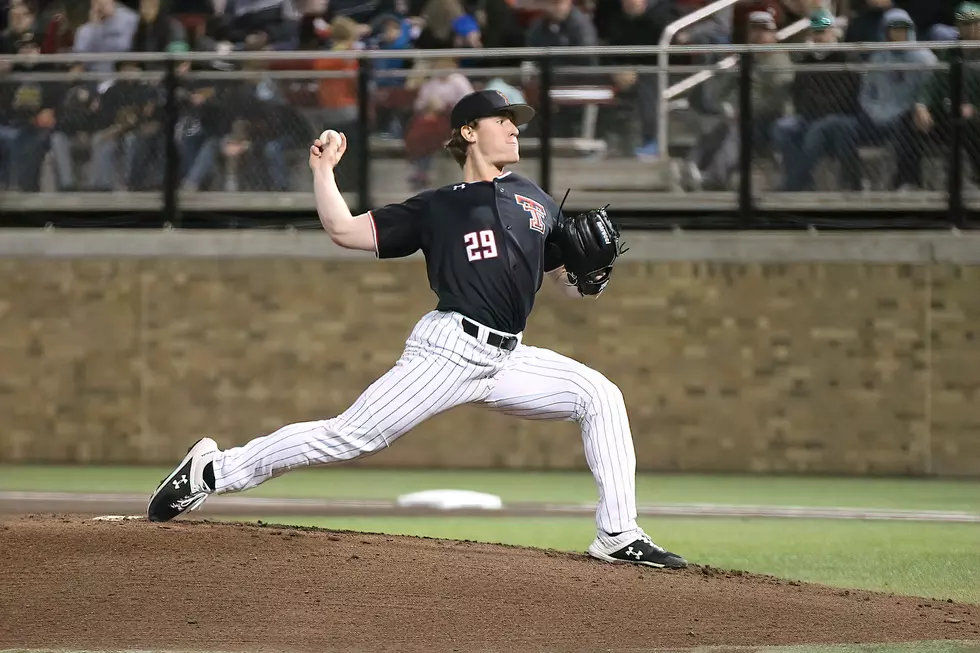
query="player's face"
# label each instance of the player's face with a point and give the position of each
(496, 139)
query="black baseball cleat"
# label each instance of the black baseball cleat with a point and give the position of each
(185, 489)
(634, 547)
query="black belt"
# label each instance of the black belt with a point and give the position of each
(493, 339)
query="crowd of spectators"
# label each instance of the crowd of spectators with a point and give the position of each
(804, 115)
(114, 123)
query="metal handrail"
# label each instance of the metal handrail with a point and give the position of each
(701, 76)
(666, 94)
(556, 53)
(663, 57)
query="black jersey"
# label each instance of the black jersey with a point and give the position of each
(487, 245)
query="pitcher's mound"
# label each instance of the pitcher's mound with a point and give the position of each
(75, 583)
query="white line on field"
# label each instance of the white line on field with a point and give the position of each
(258, 505)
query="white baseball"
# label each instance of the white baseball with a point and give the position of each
(330, 136)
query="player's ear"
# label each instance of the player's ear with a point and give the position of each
(468, 132)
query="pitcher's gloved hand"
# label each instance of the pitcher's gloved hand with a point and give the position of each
(590, 244)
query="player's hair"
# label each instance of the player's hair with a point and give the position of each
(457, 145)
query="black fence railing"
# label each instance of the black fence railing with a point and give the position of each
(778, 138)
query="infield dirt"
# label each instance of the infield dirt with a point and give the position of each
(72, 583)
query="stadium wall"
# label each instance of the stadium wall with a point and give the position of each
(736, 352)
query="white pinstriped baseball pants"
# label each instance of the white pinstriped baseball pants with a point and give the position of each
(443, 367)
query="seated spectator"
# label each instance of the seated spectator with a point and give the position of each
(864, 24)
(33, 114)
(438, 32)
(499, 28)
(716, 156)
(73, 131)
(391, 32)
(110, 28)
(886, 107)
(20, 21)
(932, 18)
(265, 128)
(563, 24)
(155, 31)
(425, 134)
(933, 113)
(206, 115)
(57, 26)
(815, 95)
(641, 22)
(466, 34)
(128, 117)
(338, 95)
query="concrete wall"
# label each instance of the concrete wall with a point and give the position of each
(736, 352)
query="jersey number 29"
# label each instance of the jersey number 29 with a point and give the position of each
(480, 245)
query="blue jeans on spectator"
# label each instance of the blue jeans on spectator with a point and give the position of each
(27, 151)
(804, 144)
(199, 156)
(274, 157)
(102, 172)
(144, 157)
(7, 136)
(860, 130)
(801, 143)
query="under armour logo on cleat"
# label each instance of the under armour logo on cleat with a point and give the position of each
(636, 554)
(180, 481)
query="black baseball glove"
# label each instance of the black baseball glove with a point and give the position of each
(590, 244)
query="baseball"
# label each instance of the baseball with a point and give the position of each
(329, 136)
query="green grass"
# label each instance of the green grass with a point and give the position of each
(566, 487)
(910, 647)
(923, 559)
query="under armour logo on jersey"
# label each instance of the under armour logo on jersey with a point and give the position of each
(538, 214)
(180, 481)
(632, 552)
(459, 186)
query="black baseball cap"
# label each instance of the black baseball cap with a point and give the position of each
(485, 104)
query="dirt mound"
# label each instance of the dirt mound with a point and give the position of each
(75, 583)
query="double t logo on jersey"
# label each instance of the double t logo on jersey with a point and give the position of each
(538, 214)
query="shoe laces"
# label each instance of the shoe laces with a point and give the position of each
(646, 538)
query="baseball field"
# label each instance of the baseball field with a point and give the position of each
(327, 560)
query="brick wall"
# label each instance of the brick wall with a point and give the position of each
(742, 365)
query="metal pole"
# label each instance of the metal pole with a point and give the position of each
(547, 115)
(955, 180)
(364, 133)
(745, 138)
(171, 170)
(662, 106)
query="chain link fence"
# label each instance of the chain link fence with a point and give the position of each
(81, 131)
(823, 122)
(250, 130)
